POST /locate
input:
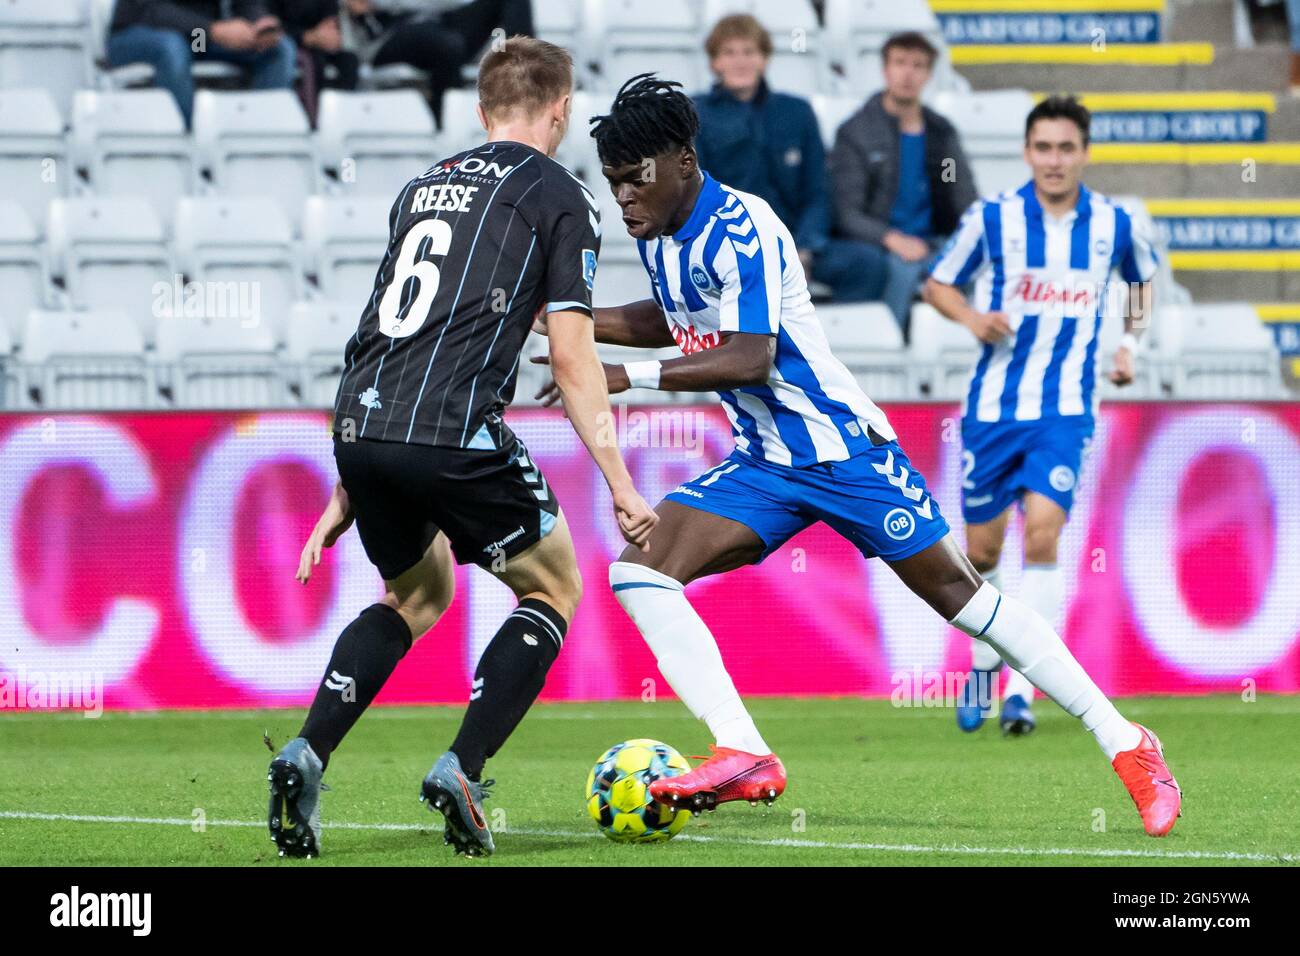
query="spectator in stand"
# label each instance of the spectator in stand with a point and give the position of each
(768, 143)
(900, 178)
(1293, 19)
(322, 61)
(437, 36)
(170, 34)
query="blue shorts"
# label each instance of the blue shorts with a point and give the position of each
(1003, 460)
(875, 499)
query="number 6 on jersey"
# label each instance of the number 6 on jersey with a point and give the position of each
(411, 265)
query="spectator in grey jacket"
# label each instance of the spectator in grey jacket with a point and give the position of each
(900, 179)
(170, 34)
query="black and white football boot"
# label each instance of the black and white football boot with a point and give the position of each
(293, 816)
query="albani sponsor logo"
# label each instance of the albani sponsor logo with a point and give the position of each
(690, 341)
(1078, 298)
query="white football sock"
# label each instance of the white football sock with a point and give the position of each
(1042, 588)
(982, 656)
(1028, 643)
(688, 655)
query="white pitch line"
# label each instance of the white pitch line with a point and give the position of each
(722, 841)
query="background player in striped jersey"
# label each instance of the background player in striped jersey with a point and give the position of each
(1042, 258)
(480, 242)
(728, 288)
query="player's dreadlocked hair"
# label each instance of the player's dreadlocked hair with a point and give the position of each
(649, 116)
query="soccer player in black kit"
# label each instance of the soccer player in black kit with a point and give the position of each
(480, 244)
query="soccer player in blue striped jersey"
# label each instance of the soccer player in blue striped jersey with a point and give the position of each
(728, 288)
(1041, 258)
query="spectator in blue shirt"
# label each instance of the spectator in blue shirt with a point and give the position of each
(769, 144)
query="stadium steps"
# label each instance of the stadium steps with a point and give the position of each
(1177, 170)
(1051, 69)
(1233, 249)
(1196, 50)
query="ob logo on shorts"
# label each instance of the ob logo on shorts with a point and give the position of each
(899, 524)
(1061, 478)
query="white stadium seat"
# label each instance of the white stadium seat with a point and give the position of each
(800, 62)
(670, 42)
(33, 159)
(374, 143)
(833, 111)
(13, 390)
(344, 240)
(92, 359)
(219, 362)
(23, 274)
(242, 254)
(257, 143)
(856, 31)
(134, 143)
(461, 128)
(318, 333)
(577, 152)
(866, 338)
(111, 254)
(563, 23)
(46, 43)
(1218, 352)
(941, 354)
(618, 283)
(992, 129)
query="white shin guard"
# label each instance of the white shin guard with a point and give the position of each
(687, 654)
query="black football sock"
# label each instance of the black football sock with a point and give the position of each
(509, 676)
(365, 654)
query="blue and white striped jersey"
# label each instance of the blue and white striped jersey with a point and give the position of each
(733, 267)
(1050, 276)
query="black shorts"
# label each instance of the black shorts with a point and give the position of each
(491, 504)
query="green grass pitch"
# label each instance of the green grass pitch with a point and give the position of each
(870, 784)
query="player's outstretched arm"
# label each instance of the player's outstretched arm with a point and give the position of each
(948, 301)
(580, 379)
(741, 358)
(639, 325)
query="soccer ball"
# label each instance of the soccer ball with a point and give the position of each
(618, 792)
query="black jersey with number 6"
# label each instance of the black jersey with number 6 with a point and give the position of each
(477, 245)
